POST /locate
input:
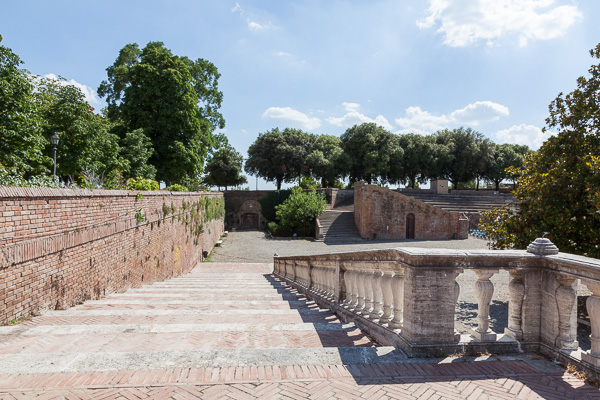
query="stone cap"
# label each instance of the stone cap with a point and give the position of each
(542, 247)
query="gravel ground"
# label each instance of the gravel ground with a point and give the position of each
(256, 246)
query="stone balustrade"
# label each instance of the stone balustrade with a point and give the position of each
(406, 297)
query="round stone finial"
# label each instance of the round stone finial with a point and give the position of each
(542, 247)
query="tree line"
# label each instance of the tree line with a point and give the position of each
(369, 152)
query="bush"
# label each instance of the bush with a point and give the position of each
(300, 211)
(176, 187)
(272, 200)
(308, 183)
(13, 177)
(141, 184)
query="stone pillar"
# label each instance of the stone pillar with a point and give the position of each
(516, 292)
(377, 296)
(386, 291)
(368, 277)
(484, 289)
(566, 301)
(398, 300)
(429, 309)
(593, 307)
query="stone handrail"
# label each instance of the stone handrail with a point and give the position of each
(406, 297)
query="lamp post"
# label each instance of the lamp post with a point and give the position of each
(54, 140)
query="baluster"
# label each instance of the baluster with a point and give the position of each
(354, 284)
(377, 296)
(566, 300)
(484, 290)
(456, 295)
(516, 292)
(593, 308)
(360, 284)
(386, 291)
(348, 283)
(368, 278)
(398, 299)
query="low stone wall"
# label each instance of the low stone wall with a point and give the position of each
(382, 213)
(61, 247)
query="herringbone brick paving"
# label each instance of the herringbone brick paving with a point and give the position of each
(237, 307)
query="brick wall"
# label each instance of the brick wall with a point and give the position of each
(382, 213)
(59, 247)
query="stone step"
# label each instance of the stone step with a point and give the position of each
(144, 360)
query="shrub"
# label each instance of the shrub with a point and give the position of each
(13, 177)
(176, 187)
(300, 211)
(141, 184)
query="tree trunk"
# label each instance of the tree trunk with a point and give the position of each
(497, 185)
(279, 183)
(477, 179)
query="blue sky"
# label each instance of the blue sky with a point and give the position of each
(323, 66)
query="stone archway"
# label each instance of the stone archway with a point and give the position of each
(250, 215)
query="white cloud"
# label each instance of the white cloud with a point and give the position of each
(354, 117)
(288, 114)
(530, 135)
(465, 22)
(423, 122)
(479, 111)
(237, 8)
(88, 92)
(255, 26)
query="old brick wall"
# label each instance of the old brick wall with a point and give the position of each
(59, 247)
(382, 214)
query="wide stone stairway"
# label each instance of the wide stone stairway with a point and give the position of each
(235, 331)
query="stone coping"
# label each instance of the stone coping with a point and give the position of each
(20, 192)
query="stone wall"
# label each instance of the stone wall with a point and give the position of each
(61, 247)
(381, 213)
(240, 203)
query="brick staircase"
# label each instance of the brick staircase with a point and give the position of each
(235, 331)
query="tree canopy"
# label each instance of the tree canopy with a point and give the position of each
(174, 100)
(371, 150)
(559, 186)
(21, 141)
(279, 156)
(224, 168)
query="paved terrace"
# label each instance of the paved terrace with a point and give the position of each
(232, 330)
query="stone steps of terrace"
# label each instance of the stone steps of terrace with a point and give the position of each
(339, 225)
(236, 331)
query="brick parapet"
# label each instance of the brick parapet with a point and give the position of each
(63, 246)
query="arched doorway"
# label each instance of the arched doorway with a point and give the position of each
(249, 215)
(410, 226)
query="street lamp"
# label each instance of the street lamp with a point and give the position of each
(54, 140)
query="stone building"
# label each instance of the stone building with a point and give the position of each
(380, 213)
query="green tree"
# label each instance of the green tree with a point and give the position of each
(21, 141)
(327, 161)
(505, 156)
(173, 99)
(224, 168)
(85, 143)
(136, 150)
(417, 158)
(300, 211)
(559, 186)
(371, 150)
(280, 156)
(459, 155)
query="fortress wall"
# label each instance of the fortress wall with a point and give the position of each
(381, 213)
(60, 247)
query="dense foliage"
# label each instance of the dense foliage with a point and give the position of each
(300, 211)
(559, 186)
(174, 100)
